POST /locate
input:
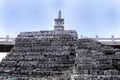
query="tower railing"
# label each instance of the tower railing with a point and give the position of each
(111, 40)
(7, 41)
(100, 39)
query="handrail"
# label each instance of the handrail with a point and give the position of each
(112, 38)
(97, 38)
(7, 42)
(7, 39)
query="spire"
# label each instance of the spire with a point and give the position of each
(59, 15)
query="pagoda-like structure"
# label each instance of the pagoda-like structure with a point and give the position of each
(59, 55)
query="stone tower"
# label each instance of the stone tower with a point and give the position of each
(59, 23)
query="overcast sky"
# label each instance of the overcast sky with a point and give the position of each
(88, 17)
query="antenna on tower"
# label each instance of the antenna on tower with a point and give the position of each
(59, 15)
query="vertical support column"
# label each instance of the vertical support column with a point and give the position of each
(96, 38)
(81, 36)
(112, 38)
(7, 38)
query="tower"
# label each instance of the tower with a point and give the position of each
(59, 22)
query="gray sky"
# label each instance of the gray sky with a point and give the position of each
(88, 17)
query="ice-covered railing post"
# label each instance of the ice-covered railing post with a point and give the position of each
(112, 38)
(7, 38)
(96, 38)
(81, 36)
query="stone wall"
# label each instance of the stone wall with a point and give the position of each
(95, 61)
(35, 58)
(60, 57)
